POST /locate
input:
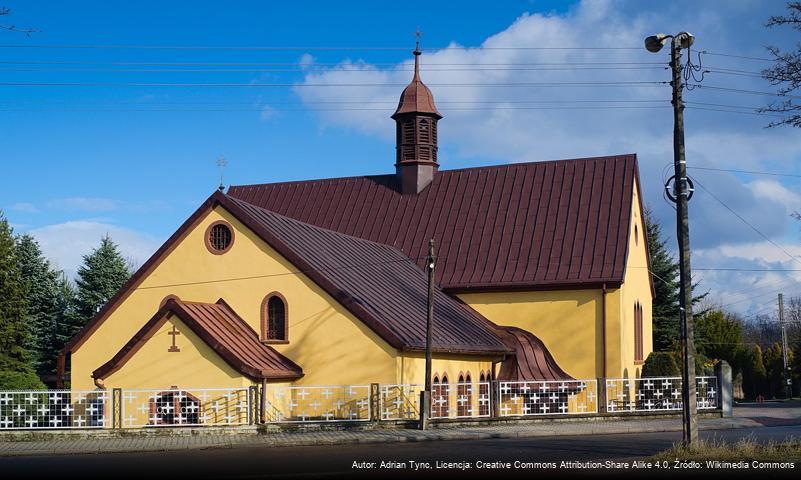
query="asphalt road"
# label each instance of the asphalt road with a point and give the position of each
(338, 461)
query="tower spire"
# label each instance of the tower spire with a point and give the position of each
(417, 54)
(416, 132)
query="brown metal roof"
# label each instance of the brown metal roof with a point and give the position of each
(531, 360)
(222, 330)
(525, 225)
(377, 283)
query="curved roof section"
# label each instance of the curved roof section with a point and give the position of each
(416, 97)
(531, 360)
(515, 226)
(223, 331)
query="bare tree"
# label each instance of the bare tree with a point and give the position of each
(13, 28)
(786, 71)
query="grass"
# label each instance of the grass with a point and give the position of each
(744, 449)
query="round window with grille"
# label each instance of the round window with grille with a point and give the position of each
(219, 237)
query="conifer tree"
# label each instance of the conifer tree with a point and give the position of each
(103, 272)
(15, 369)
(43, 307)
(13, 298)
(755, 374)
(666, 286)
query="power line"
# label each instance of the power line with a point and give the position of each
(751, 172)
(791, 256)
(303, 64)
(739, 90)
(293, 85)
(291, 48)
(743, 57)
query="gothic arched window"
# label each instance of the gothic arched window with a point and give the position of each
(274, 325)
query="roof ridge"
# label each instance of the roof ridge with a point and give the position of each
(327, 230)
(631, 155)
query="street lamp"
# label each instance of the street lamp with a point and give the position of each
(682, 192)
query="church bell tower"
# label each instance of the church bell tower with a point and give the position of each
(416, 134)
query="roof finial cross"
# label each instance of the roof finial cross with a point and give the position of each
(417, 34)
(221, 162)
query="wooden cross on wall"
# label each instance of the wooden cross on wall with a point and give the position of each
(174, 332)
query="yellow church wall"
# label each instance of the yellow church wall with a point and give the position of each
(567, 321)
(411, 367)
(194, 365)
(328, 342)
(636, 288)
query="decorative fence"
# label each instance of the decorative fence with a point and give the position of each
(400, 402)
(188, 407)
(574, 397)
(117, 408)
(317, 403)
(46, 409)
(657, 393)
(460, 400)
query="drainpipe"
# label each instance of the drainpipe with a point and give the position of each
(603, 327)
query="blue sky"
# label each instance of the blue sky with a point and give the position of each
(80, 161)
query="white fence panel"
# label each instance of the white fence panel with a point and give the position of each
(317, 403)
(185, 407)
(50, 409)
(648, 394)
(400, 402)
(460, 400)
(552, 397)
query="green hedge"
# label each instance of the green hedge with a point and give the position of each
(16, 375)
(661, 364)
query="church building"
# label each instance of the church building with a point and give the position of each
(541, 273)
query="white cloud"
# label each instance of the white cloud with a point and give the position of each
(84, 204)
(777, 192)
(65, 244)
(23, 207)
(502, 129)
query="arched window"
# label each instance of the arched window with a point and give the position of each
(274, 325)
(439, 397)
(483, 395)
(638, 334)
(464, 396)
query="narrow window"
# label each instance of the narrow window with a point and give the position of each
(274, 319)
(425, 131)
(638, 333)
(439, 397)
(483, 395)
(463, 396)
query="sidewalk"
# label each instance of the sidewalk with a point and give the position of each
(186, 442)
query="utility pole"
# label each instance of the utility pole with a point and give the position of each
(788, 382)
(689, 406)
(681, 192)
(425, 395)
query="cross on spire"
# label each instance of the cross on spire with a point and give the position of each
(221, 162)
(417, 35)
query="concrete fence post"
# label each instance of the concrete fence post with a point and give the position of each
(116, 408)
(253, 402)
(725, 388)
(375, 402)
(601, 382)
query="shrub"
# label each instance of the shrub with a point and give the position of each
(661, 364)
(17, 375)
